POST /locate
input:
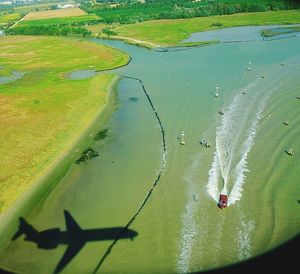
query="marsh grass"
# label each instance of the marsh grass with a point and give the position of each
(44, 112)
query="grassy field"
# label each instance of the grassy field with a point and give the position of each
(169, 32)
(9, 18)
(44, 112)
(98, 28)
(56, 21)
(45, 14)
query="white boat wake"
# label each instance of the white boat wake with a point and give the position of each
(234, 140)
(244, 239)
(190, 229)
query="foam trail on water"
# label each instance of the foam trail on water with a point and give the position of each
(235, 136)
(212, 186)
(244, 239)
(241, 167)
(190, 229)
(234, 139)
(188, 234)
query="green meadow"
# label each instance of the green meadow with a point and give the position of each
(56, 21)
(169, 32)
(43, 113)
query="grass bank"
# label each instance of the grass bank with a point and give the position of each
(44, 112)
(280, 31)
(170, 32)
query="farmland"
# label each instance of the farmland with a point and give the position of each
(58, 13)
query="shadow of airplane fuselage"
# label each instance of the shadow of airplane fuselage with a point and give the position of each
(74, 237)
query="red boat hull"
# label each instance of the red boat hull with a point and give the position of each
(223, 201)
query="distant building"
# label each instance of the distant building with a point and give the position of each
(67, 6)
(23, 2)
(6, 3)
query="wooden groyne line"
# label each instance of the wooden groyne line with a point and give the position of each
(150, 191)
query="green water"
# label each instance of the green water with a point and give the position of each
(180, 228)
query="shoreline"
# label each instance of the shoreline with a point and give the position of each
(137, 33)
(52, 175)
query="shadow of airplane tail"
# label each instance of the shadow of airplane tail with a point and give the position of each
(24, 228)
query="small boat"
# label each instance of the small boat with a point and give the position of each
(217, 91)
(289, 152)
(249, 66)
(182, 141)
(223, 201)
(298, 97)
(221, 112)
(286, 123)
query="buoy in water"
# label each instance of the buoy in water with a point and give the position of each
(217, 91)
(182, 141)
(249, 66)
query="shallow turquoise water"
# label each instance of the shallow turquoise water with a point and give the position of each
(180, 228)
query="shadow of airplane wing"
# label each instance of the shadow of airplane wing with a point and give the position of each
(69, 254)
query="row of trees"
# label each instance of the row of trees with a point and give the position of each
(50, 30)
(132, 12)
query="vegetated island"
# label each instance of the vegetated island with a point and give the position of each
(44, 113)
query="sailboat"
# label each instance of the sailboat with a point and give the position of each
(182, 141)
(249, 66)
(217, 91)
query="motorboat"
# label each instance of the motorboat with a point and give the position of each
(223, 199)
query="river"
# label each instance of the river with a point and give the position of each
(166, 192)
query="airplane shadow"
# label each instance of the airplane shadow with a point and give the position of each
(74, 237)
(282, 256)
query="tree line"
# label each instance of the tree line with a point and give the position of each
(133, 11)
(50, 30)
